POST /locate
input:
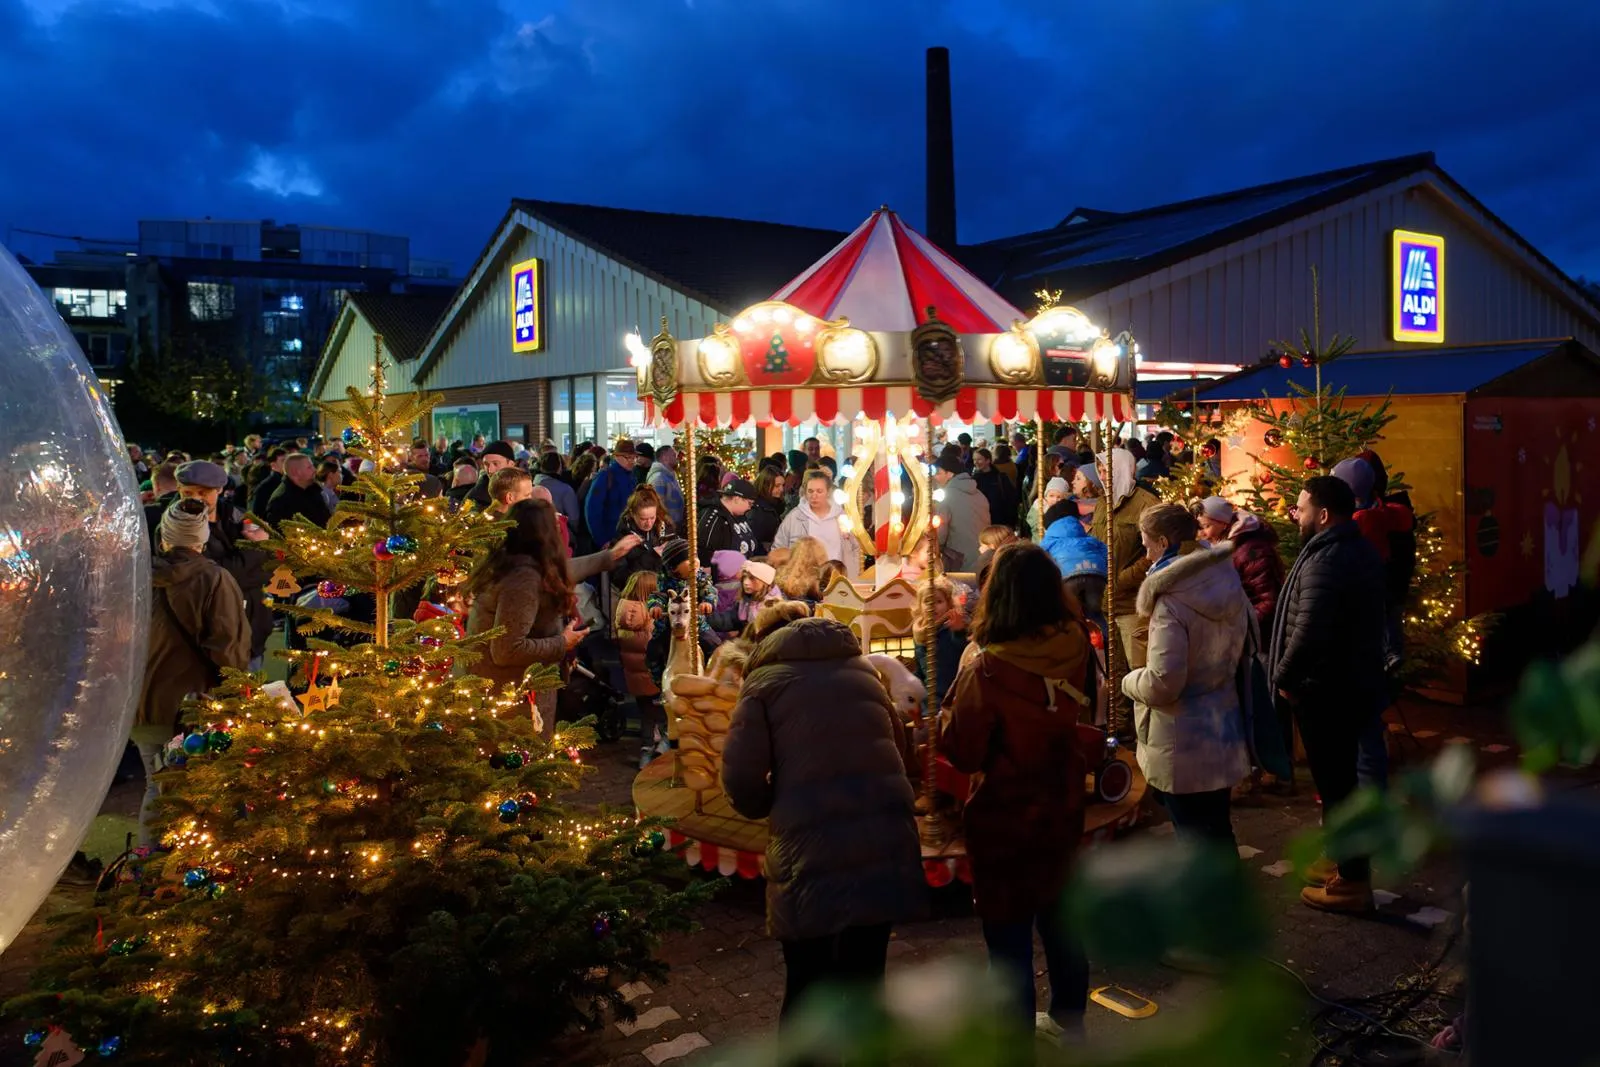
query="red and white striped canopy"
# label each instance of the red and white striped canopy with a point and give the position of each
(885, 276)
(828, 404)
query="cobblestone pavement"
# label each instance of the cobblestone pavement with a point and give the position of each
(727, 978)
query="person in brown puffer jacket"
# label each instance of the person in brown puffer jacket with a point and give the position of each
(1011, 720)
(814, 748)
(198, 626)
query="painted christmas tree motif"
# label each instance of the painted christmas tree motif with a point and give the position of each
(777, 355)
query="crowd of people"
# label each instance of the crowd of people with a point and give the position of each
(1013, 635)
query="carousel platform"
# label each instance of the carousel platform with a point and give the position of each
(717, 838)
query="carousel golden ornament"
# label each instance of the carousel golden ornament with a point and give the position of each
(845, 355)
(1014, 356)
(720, 364)
(663, 366)
(938, 365)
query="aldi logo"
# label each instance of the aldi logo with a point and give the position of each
(527, 325)
(1418, 287)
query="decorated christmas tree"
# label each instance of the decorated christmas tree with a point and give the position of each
(1319, 428)
(378, 871)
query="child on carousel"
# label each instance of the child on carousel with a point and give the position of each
(677, 571)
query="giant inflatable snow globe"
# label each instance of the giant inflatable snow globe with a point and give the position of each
(74, 596)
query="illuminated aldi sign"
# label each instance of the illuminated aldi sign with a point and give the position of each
(1418, 287)
(527, 324)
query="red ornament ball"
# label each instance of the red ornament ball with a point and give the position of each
(1285, 362)
(1306, 361)
(1272, 438)
(1311, 463)
(380, 549)
(412, 667)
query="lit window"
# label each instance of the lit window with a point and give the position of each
(91, 303)
(292, 302)
(210, 301)
(292, 344)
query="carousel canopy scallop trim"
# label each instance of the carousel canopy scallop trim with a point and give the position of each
(791, 407)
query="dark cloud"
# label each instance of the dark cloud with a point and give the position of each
(425, 117)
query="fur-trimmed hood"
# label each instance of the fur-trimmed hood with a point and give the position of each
(1199, 579)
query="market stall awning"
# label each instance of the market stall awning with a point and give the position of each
(885, 276)
(790, 407)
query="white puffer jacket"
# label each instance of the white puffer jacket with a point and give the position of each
(1190, 727)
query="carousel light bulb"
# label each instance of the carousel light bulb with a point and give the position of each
(847, 471)
(762, 314)
(781, 316)
(897, 498)
(845, 525)
(803, 324)
(911, 431)
(938, 496)
(840, 496)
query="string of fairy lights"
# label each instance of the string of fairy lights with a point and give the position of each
(258, 747)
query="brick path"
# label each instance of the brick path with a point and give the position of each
(727, 978)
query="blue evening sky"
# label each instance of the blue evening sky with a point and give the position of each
(424, 117)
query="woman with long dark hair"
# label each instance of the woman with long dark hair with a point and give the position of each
(767, 512)
(525, 589)
(1013, 716)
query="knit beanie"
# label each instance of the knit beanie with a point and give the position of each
(186, 525)
(1058, 485)
(1358, 476)
(673, 552)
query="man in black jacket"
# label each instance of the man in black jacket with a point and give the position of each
(269, 484)
(1327, 663)
(727, 525)
(298, 495)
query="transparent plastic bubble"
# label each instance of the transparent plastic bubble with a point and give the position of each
(74, 596)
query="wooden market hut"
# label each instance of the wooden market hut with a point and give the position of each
(1500, 443)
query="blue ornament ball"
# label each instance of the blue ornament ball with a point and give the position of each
(350, 435)
(195, 877)
(401, 543)
(110, 1046)
(35, 1037)
(175, 758)
(435, 725)
(509, 810)
(602, 927)
(194, 744)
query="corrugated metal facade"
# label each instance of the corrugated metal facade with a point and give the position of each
(352, 363)
(590, 302)
(1229, 305)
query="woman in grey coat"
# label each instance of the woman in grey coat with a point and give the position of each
(1192, 746)
(814, 748)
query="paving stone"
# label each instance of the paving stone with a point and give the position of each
(634, 990)
(1278, 869)
(1383, 898)
(1429, 917)
(678, 1047)
(1248, 852)
(648, 1020)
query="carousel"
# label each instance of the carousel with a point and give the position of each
(893, 336)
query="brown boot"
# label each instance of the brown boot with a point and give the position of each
(1320, 873)
(1340, 895)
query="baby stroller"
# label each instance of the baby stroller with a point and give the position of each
(588, 693)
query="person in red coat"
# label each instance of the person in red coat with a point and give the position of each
(1255, 553)
(1261, 571)
(1012, 715)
